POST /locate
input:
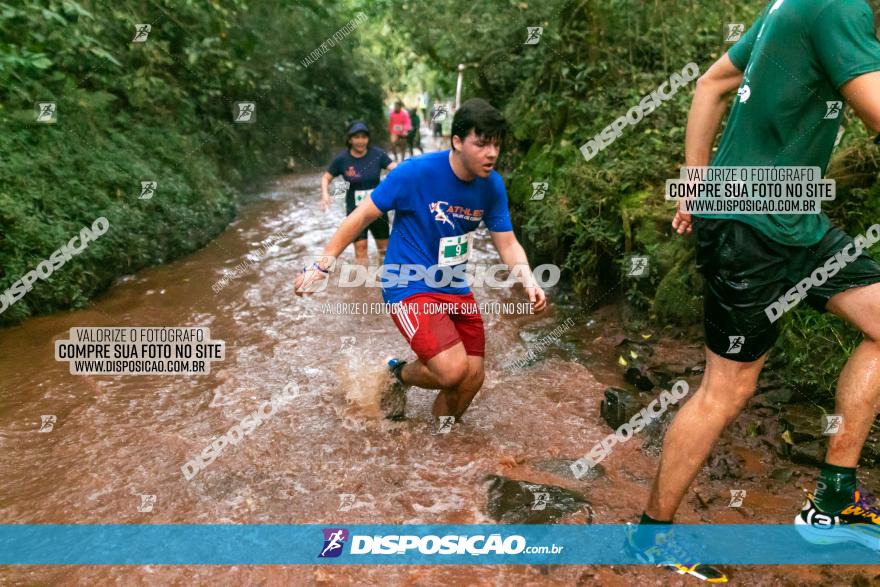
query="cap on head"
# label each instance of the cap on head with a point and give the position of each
(356, 127)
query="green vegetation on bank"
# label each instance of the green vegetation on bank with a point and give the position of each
(160, 110)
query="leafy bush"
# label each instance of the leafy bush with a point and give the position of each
(159, 110)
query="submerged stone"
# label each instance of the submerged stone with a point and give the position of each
(519, 502)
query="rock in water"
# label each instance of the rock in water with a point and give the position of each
(637, 375)
(809, 453)
(804, 422)
(518, 502)
(619, 406)
(724, 464)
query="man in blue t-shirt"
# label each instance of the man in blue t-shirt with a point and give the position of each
(439, 200)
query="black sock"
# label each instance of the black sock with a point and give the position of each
(835, 487)
(646, 533)
(646, 519)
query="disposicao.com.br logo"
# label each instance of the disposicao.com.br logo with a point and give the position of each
(450, 544)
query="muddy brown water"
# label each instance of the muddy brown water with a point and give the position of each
(119, 437)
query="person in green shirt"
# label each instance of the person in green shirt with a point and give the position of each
(793, 70)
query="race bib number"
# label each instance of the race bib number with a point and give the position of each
(398, 128)
(455, 249)
(361, 195)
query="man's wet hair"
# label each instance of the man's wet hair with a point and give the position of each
(479, 116)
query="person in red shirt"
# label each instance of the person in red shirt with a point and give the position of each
(399, 126)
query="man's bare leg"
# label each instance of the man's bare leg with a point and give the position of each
(858, 389)
(360, 252)
(724, 391)
(381, 247)
(457, 375)
(455, 402)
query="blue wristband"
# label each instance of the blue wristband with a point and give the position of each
(315, 265)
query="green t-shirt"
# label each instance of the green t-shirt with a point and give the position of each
(788, 110)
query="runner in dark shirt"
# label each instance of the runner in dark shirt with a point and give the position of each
(360, 165)
(414, 138)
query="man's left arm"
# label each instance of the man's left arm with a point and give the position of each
(513, 255)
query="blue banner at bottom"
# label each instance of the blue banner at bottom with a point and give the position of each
(155, 544)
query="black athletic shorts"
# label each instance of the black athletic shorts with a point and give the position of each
(746, 272)
(379, 228)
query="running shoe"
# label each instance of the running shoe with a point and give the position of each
(393, 402)
(857, 522)
(667, 553)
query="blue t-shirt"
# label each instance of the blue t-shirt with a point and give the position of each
(362, 173)
(435, 217)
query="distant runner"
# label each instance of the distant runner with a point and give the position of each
(439, 200)
(399, 126)
(793, 69)
(360, 164)
(414, 138)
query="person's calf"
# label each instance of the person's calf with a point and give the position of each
(858, 392)
(689, 441)
(455, 402)
(361, 254)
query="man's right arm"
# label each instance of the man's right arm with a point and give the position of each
(354, 224)
(360, 218)
(704, 120)
(708, 108)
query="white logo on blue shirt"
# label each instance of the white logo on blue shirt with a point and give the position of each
(439, 214)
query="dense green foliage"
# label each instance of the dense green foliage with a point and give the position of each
(160, 110)
(595, 60)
